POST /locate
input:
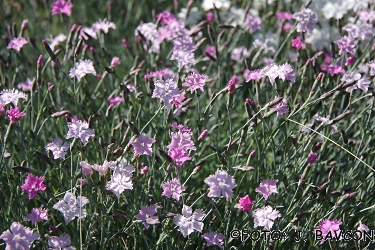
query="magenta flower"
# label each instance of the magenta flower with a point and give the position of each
(144, 170)
(267, 187)
(173, 189)
(37, 215)
(18, 237)
(62, 7)
(284, 15)
(306, 20)
(328, 226)
(32, 185)
(312, 157)
(265, 217)
(181, 140)
(232, 84)
(62, 242)
(15, 114)
(214, 239)
(210, 50)
(17, 43)
(297, 43)
(142, 145)
(165, 17)
(82, 68)
(245, 204)
(346, 44)
(80, 130)
(189, 221)
(146, 215)
(58, 148)
(195, 82)
(72, 207)
(220, 184)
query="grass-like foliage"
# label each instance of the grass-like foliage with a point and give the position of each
(187, 124)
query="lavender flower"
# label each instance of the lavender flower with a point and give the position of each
(306, 20)
(72, 207)
(221, 184)
(146, 215)
(189, 221)
(18, 237)
(173, 189)
(58, 148)
(195, 82)
(346, 44)
(80, 130)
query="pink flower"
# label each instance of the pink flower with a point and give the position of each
(58, 148)
(232, 84)
(203, 135)
(15, 114)
(17, 43)
(284, 15)
(32, 185)
(102, 169)
(179, 156)
(220, 184)
(239, 54)
(79, 129)
(265, 217)
(86, 168)
(210, 50)
(195, 82)
(173, 189)
(253, 23)
(146, 214)
(327, 226)
(214, 239)
(165, 17)
(37, 215)
(2, 108)
(253, 75)
(142, 145)
(189, 221)
(18, 237)
(267, 187)
(245, 204)
(144, 170)
(297, 43)
(166, 90)
(125, 43)
(210, 17)
(115, 101)
(115, 62)
(183, 57)
(62, 7)
(26, 86)
(371, 65)
(62, 242)
(103, 25)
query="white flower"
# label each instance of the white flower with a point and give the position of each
(11, 96)
(189, 221)
(265, 217)
(82, 68)
(58, 148)
(209, 4)
(103, 25)
(71, 207)
(119, 182)
(56, 41)
(334, 9)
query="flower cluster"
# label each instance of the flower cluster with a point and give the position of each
(180, 144)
